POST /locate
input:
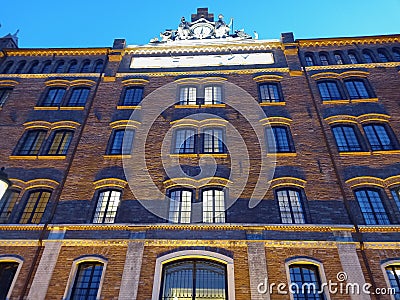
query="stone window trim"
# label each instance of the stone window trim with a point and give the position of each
(389, 263)
(187, 254)
(307, 261)
(17, 259)
(74, 270)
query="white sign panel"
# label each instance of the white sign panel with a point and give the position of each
(201, 60)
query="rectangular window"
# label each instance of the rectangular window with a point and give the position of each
(187, 96)
(61, 142)
(290, 206)
(35, 207)
(213, 95)
(213, 206)
(269, 92)
(180, 206)
(32, 142)
(54, 97)
(372, 207)
(78, 97)
(184, 141)
(213, 141)
(329, 90)
(279, 140)
(346, 138)
(378, 137)
(4, 93)
(7, 204)
(122, 142)
(87, 281)
(357, 89)
(132, 96)
(107, 205)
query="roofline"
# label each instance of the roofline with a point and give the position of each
(372, 39)
(59, 51)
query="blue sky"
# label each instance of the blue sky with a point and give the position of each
(87, 23)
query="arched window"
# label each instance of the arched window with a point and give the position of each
(7, 204)
(9, 269)
(291, 206)
(73, 67)
(324, 59)
(346, 138)
(107, 206)
(306, 282)
(396, 54)
(309, 58)
(4, 94)
(185, 141)
(35, 207)
(393, 276)
(33, 68)
(213, 206)
(20, 67)
(187, 95)
(78, 96)
(180, 206)
(59, 67)
(357, 88)
(383, 55)
(353, 58)
(338, 59)
(329, 90)
(371, 206)
(98, 67)
(270, 92)
(379, 137)
(60, 142)
(7, 68)
(279, 139)
(87, 280)
(46, 67)
(85, 67)
(194, 279)
(368, 57)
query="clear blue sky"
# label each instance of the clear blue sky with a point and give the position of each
(87, 23)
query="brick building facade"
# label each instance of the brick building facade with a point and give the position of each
(109, 151)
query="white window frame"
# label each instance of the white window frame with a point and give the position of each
(9, 258)
(74, 270)
(187, 254)
(308, 261)
(393, 262)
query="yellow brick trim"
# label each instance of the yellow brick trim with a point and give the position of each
(287, 182)
(124, 124)
(58, 52)
(196, 123)
(276, 121)
(34, 183)
(11, 83)
(110, 182)
(193, 183)
(267, 78)
(135, 81)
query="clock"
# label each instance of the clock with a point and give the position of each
(202, 30)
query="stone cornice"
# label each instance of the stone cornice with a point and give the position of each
(56, 51)
(382, 39)
(391, 64)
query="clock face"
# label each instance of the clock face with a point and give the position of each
(202, 31)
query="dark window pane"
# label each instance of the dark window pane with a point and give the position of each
(309, 60)
(20, 67)
(60, 143)
(306, 281)
(78, 97)
(279, 140)
(346, 138)
(73, 67)
(371, 206)
(357, 89)
(338, 59)
(324, 59)
(383, 57)
(32, 142)
(393, 274)
(7, 68)
(353, 58)
(60, 67)
(378, 137)
(87, 281)
(7, 273)
(368, 58)
(132, 96)
(98, 67)
(329, 90)
(122, 142)
(85, 67)
(7, 204)
(34, 67)
(35, 207)
(54, 97)
(4, 93)
(269, 92)
(46, 67)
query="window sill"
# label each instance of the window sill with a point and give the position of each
(72, 107)
(187, 106)
(283, 154)
(354, 153)
(272, 103)
(56, 157)
(45, 108)
(195, 155)
(364, 100)
(41, 157)
(216, 155)
(183, 155)
(28, 157)
(221, 105)
(395, 151)
(116, 156)
(129, 107)
(59, 108)
(336, 101)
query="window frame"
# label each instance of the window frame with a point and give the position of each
(324, 59)
(356, 88)
(97, 207)
(124, 93)
(271, 97)
(85, 66)
(194, 136)
(37, 203)
(390, 135)
(7, 67)
(213, 87)
(59, 67)
(383, 55)
(309, 59)
(328, 88)
(353, 57)
(215, 214)
(6, 217)
(72, 66)
(221, 142)
(46, 67)
(14, 259)
(96, 65)
(384, 266)
(396, 53)
(74, 272)
(20, 67)
(357, 135)
(179, 210)
(274, 147)
(301, 201)
(187, 99)
(52, 138)
(380, 193)
(339, 58)
(371, 58)
(58, 89)
(111, 142)
(4, 95)
(33, 67)
(67, 99)
(23, 141)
